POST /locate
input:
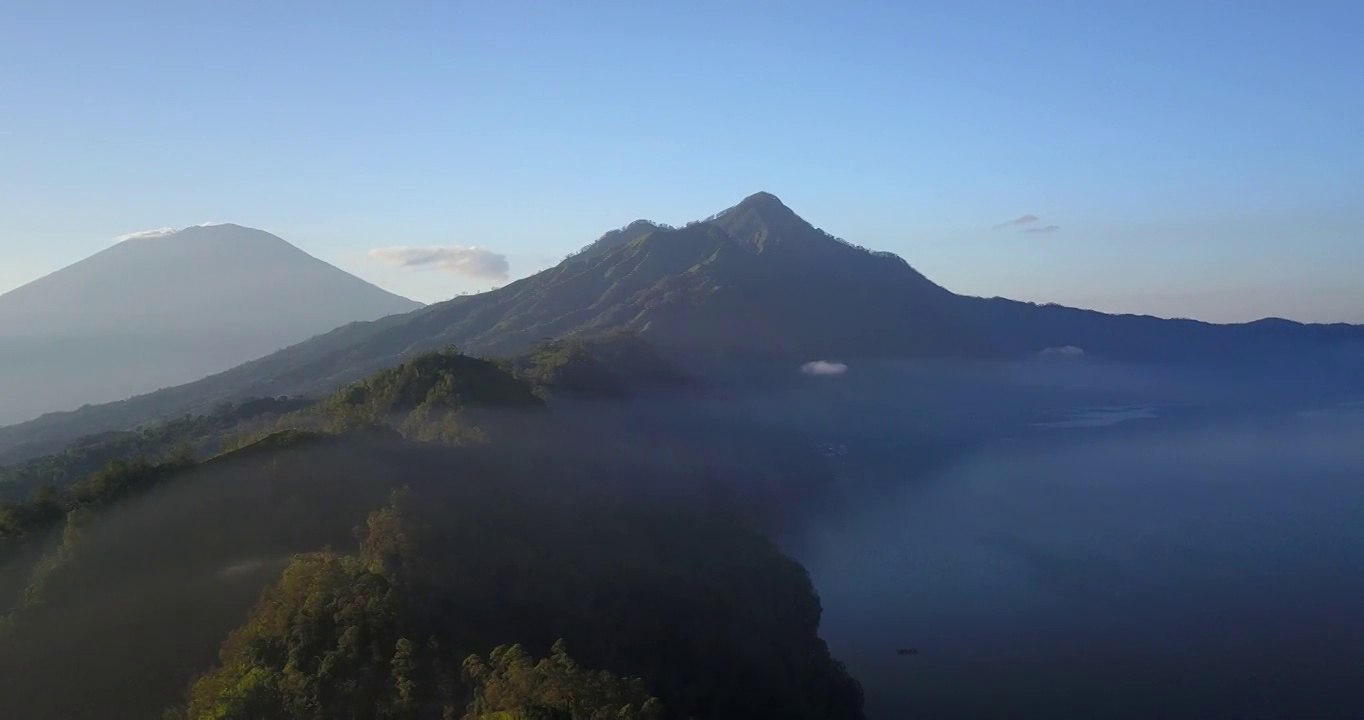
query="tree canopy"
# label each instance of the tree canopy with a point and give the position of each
(511, 685)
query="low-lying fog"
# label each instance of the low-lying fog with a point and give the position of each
(1064, 539)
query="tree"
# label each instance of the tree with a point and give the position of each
(330, 639)
(324, 643)
(511, 686)
(389, 542)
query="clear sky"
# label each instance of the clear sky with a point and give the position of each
(1199, 158)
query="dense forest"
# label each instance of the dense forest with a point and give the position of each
(383, 632)
(342, 636)
(432, 541)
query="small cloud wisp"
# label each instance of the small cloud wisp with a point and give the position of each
(474, 262)
(1019, 221)
(824, 368)
(1044, 229)
(147, 234)
(161, 232)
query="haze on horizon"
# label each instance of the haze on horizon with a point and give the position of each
(1152, 157)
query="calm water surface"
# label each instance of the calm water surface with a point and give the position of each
(1106, 563)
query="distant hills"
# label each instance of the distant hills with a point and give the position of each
(755, 280)
(160, 309)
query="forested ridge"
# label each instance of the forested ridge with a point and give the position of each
(197, 435)
(430, 541)
(445, 395)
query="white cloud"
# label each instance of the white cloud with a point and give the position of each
(147, 234)
(475, 262)
(824, 368)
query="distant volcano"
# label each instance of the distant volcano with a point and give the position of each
(165, 307)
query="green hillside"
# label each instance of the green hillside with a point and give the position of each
(235, 587)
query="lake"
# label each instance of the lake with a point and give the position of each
(1109, 552)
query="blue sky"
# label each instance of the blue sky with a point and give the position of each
(1198, 158)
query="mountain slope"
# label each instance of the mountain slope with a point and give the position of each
(116, 593)
(163, 309)
(753, 280)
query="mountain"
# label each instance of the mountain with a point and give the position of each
(755, 280)
(160, 309)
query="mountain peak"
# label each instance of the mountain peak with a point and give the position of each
(762, 199)
(219, 227)
(762, 220)
(202, 231)
(618, 238)
(228, 233)
(763, 203)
